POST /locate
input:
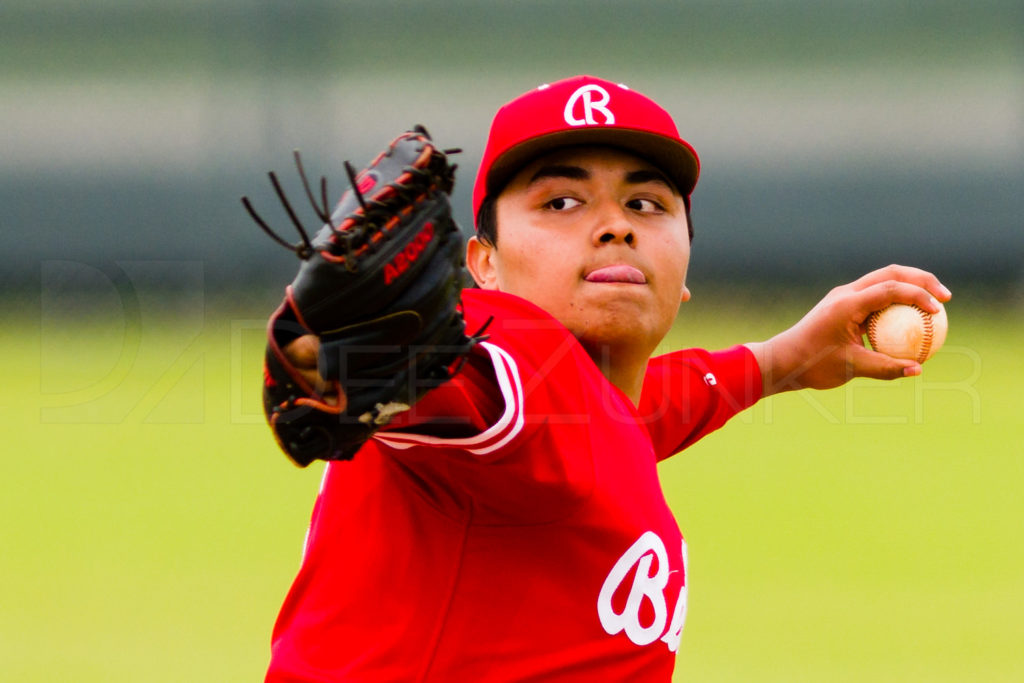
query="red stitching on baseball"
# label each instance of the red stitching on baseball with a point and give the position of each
(926, 344)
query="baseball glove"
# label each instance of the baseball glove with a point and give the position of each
(379, 285)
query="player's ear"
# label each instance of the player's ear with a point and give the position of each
(685, 295)
(480, 260)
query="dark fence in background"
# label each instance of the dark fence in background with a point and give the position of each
(801, 229)
(823, 218)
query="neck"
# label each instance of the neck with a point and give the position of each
(623, 369)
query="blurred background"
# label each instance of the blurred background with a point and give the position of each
(835, 136)
(871, 533)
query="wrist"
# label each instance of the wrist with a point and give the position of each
(780, 367)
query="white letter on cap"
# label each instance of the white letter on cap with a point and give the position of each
(589, 106)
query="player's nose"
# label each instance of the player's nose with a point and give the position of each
(614, 227)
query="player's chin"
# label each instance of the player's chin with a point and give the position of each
(641, 300)
(626, 293)
(620, 300)
(622, 322)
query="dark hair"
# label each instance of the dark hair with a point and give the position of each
(487, 220)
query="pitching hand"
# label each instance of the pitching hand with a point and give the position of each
(826, 348)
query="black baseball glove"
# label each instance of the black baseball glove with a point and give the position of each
(379, 286)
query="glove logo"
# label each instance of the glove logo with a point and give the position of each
(585, 98)
(408, 256)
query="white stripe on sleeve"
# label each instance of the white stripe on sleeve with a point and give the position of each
(494, 437)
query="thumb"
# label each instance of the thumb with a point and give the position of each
(867, 363)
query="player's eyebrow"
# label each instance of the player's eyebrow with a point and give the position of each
(649, 176)
(560, 171)
(638, 177)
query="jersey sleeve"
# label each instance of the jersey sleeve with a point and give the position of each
(689, 394)
(478, 411)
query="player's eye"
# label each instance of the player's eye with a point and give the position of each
(562, 203)
(645, 205)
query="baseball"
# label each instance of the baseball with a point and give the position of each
(903, 331)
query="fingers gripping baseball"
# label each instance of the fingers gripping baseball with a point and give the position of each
(920, 289)
(894, 274)
(825, 349)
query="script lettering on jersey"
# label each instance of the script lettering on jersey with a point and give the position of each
(584, 97)
(648, 588)
(408, 256)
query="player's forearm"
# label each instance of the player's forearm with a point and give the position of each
(788, 362)
(782, 367)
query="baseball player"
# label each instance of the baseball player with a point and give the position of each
(499, 517)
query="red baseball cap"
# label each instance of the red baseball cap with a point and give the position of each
(582, 110)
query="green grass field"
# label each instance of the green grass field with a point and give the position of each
(871, 533)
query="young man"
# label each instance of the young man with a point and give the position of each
(511, 526)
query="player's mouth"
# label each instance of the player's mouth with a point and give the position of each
(619, 273)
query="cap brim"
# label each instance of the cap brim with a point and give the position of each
(673, 157)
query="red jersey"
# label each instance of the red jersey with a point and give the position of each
(514, 528)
